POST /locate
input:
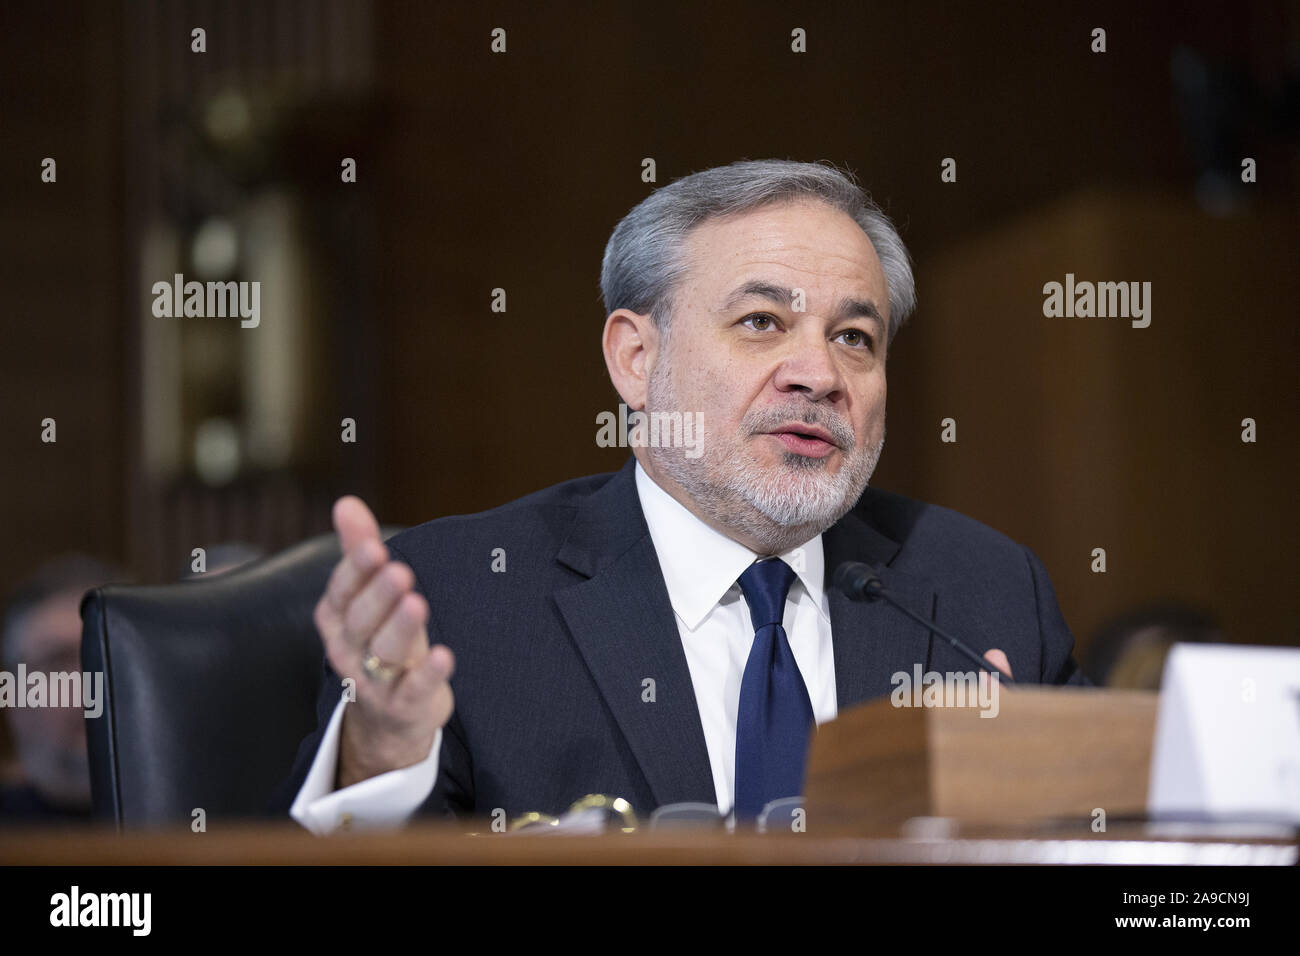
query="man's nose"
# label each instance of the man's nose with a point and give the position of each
(809, 367)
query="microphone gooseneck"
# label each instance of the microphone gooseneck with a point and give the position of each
(860, 582)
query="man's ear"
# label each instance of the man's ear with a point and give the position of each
(630, 342)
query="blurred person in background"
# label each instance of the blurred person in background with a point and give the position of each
(42, 630)
(1129, 650)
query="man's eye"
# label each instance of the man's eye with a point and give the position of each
(759, 321)
(855, 338)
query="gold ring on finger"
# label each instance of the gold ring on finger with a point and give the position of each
(380, 670)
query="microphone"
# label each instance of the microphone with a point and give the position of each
(859, 582)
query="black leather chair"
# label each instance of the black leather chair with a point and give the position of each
(209, 686)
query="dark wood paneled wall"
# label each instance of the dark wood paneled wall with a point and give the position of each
(61, 274)
(510, 172)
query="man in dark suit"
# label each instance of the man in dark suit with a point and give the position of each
(668, 633)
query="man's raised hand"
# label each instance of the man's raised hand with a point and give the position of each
(371, 612)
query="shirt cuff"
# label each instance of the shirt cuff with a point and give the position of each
(384, 801)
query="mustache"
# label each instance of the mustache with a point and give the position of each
(761, 422)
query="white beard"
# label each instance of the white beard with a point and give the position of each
(780, 507)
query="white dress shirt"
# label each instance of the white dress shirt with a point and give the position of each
(701, 568)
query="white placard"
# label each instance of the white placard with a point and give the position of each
(1227, 743)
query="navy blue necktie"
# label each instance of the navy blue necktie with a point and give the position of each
(775, 714)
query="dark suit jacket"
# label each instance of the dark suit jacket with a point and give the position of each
(552, 652)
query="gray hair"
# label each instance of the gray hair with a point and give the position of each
(643, 264)
(73, 572)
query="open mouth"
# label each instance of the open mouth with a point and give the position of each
(805, 440)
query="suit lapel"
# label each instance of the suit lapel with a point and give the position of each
(622, 622)
(872, 641)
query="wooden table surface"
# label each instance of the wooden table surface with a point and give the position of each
(939, 843)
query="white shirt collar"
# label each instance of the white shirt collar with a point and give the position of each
(700, 564)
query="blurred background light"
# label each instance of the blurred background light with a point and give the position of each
(215, 248)
(216, 451)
